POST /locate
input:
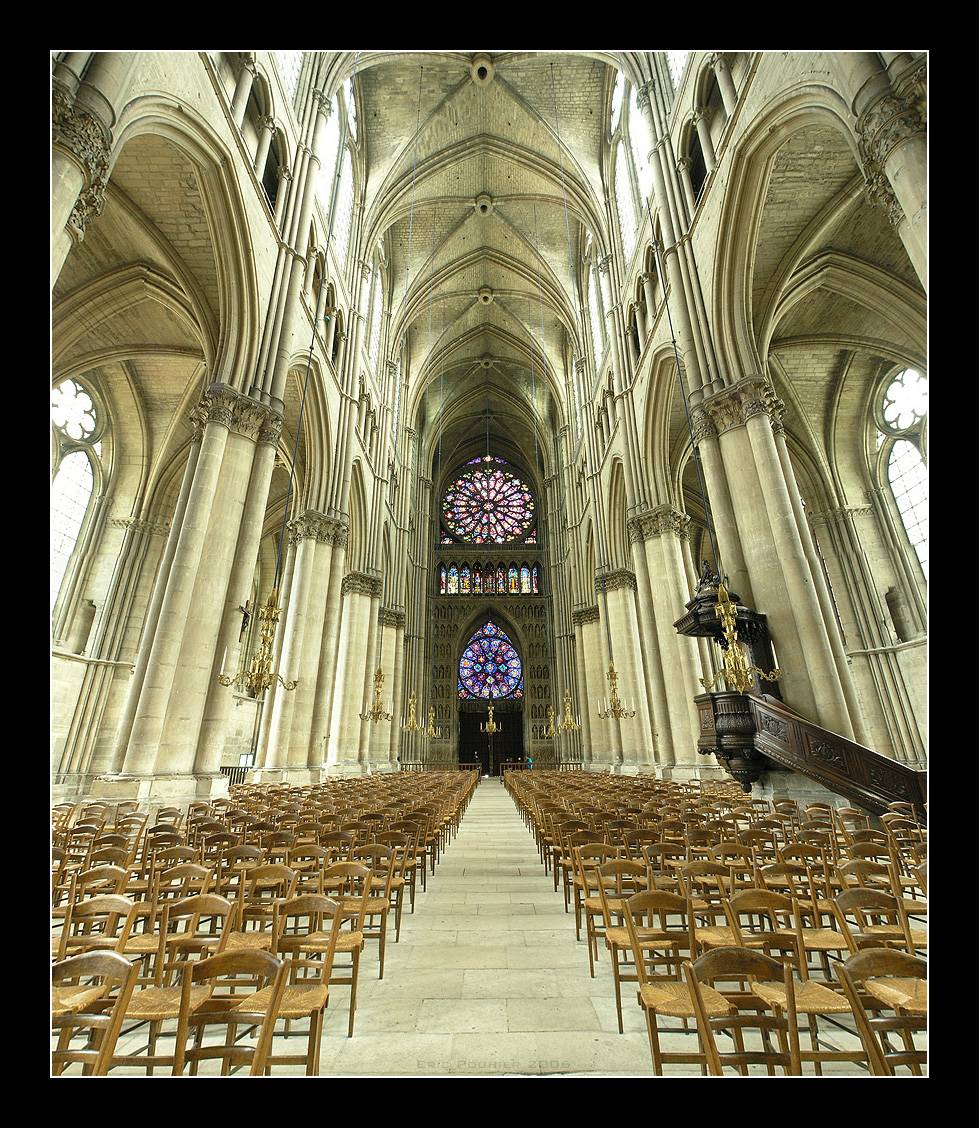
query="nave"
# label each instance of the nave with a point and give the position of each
(487, 978)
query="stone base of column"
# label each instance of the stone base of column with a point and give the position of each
(160, 791)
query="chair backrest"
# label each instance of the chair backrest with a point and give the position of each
(192, 929)
(659, 932)
(766, 919)
(737, 964)
(306, 932)
(349, 883)
(100, 976)
(898, 984)
(97, 922)
(227, 1006)
(871, 918)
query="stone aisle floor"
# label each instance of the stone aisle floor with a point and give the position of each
(488, 977)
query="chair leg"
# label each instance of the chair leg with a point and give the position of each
(353, 991)
(618, 986)
(654, 1042)
(384, 930)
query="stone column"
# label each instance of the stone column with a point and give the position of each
(325, 698)
(368, 663)
(894, 152)
(641, 325)
(282, 194)
(344, 742)
(199, 660)
(732, 563)
(703, 132)
(243, 88)
(264, 144)
(636, 731)
(284, 594)
(647, 288)
(214, 414)
(153, 609)
(268, 426)
(303, 534)
(662, 742)
(396, 620)
(588, 621)
(81, 146)
(683, 168)
(725, 83)
(583, 699)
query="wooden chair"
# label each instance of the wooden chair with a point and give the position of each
(381, 860)
(94, 924)
(664, 994)
(261, 890)
(879, 980)
(349, 884)
(618, 881)
(221, 978)
(306, 933)
(745, 1012)
(89, 994)
(871, 918)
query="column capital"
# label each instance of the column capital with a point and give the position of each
(323, 103)
(251, 419)
(699, 114)
(615, 579)
(248, 61)
(702, 425)
(657, 521)
(603, 264)
(89, 142)
(643, 97)
(217, 405)
(683, 163)
(734, 406)
(361, 583)
(311, 525)
(140, 525)
(389, 617)
(584, 615)
(886, 124)
(268, 122)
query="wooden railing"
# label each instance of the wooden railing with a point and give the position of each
(748, 734)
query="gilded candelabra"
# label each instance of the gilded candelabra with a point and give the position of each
(613, 708)
(550, 732)
(260, 675)
(432, 730)
(411, 724)
(376, 712)
(736, 673)
(568, 721)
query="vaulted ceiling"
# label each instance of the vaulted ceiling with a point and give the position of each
(479, 189)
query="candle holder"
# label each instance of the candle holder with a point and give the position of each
(260, 675)
(376, 712)
(736, 673)
(614, 708)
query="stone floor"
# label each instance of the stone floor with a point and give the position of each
(488, 978)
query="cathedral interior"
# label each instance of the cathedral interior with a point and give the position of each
(416, 410)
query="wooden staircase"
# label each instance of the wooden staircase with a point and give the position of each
(752, 734)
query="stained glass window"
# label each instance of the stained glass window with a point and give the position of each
(908, 476)
(906, 400)
(453, 580)
(442, 578)
(535, 580)
(513, 580)
(486, 458)
(76, 423)
(488, 505)
(500, 580)
(525, 580)
(477, 581)
(531, 538)
(489, 583)
(464, 580)
(490, 666)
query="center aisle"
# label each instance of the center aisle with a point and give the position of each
(488, 977)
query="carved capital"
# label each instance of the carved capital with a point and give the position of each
(642, 97)
(753, 393)
(683, 164)
(310, 525)
(217, 405)
(361, 583)
(886, 124)
(323, 103)
(88, 140)
(702, 425)
(249, 417)
(619, 578)
(585, 615)
(248, 61)
(268, 122)
(137, 525)
(270, 429)
(388, 617)
(664, 519)
(604, 263)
